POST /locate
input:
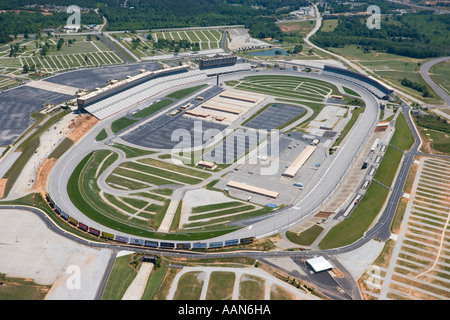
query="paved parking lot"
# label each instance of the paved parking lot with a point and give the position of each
(90, 79)
(275, 116)
(17, 105)
(158, 133)
(234, 147)
(269, 175)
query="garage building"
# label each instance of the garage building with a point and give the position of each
(319, 264)
(299, 162)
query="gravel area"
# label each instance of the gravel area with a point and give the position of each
(357, 261)
(30, 250)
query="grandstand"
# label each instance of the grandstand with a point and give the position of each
(228, 69)
(216, 61)
(118, 86)
(140, 93)
(132, 91)
(380, 90)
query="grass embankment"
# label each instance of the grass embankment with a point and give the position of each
(216, 206)
(131, 152)
(28, 147)
(61, 148)
(120, 278)
(180, 94)
(305, 238)
(403, 138)
(353, 228)
(176, 218)
(122, 123)
(22, 289)
(148, 111)
(351, 92)
(101, 136)
(355, 114)
(77, 193)
(436, 130)
(388, 167)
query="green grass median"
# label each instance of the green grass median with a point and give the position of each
(353, 228)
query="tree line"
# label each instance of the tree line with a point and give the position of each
(422, 88)
(413, 35)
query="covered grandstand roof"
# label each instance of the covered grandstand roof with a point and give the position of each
(374, 86)
(140, 93)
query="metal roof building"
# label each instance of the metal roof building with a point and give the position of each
(253, 189)
(299, 162)
(319, 264)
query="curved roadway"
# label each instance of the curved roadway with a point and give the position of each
(424, 72)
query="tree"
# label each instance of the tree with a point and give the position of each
(297, 49)
(44, 51)
(60, 44)
(135, 43)
(2, 278)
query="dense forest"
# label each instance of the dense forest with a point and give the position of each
(154, 14)
(339, 6)
(420, 35)
(31, 22)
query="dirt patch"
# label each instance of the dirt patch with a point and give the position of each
(2, 187)
(411, 178)
(288, 28)
(80, 125)
(323, 214)
(337, 272)
(42, 174)
(427, 146)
